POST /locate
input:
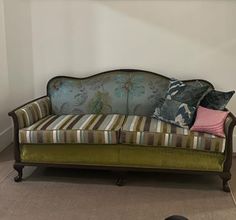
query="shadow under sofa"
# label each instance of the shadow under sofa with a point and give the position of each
(126, 95)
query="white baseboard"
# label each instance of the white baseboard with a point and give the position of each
(6, 138)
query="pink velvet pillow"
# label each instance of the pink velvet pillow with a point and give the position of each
(210, 121)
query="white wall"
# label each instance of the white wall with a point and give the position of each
(5, 124)
(19, 50)
(65, 39)
(184, 39)
(16, 62)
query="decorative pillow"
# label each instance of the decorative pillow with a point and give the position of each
(210, 121)
(216, 99)
(175, 112)
(180, 103)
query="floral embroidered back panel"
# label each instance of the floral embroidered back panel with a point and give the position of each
(128, 92)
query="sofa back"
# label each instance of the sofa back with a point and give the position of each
(124, 91)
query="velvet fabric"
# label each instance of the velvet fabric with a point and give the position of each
(122, 156)
(70, 154)
(217, 100)
(181, 101)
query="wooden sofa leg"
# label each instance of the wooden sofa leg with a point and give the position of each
(19, 169)
(225, 178)
(120, 181)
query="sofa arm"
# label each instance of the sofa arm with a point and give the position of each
(31, 112)
(26, 115)
(230, 123)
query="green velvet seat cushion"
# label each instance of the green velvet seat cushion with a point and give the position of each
(123, 156)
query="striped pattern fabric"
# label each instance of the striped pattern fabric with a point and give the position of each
(86, 129)
(141, 130)
(210, 121)
(33, 112)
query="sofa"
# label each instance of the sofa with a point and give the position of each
(105, 121)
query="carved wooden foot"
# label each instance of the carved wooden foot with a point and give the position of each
(225, 178)
(226, 186)
(120, 178)
(120, 181)
(19, 170)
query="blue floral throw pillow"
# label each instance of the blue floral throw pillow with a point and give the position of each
(180, 103)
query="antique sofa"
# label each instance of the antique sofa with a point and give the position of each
(104, 122)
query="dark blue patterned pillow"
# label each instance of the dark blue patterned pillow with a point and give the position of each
(175, 87)
(216, 100)
(180, 103)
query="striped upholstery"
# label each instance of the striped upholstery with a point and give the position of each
(70, 129)
(32, 112)
(141, 130)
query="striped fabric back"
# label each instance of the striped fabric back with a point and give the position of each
(33, 112)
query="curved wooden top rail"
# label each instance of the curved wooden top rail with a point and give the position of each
(124, 70)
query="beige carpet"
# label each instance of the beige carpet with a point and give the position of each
(89, 195)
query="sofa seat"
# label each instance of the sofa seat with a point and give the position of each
(73, 129)
(146, 131)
